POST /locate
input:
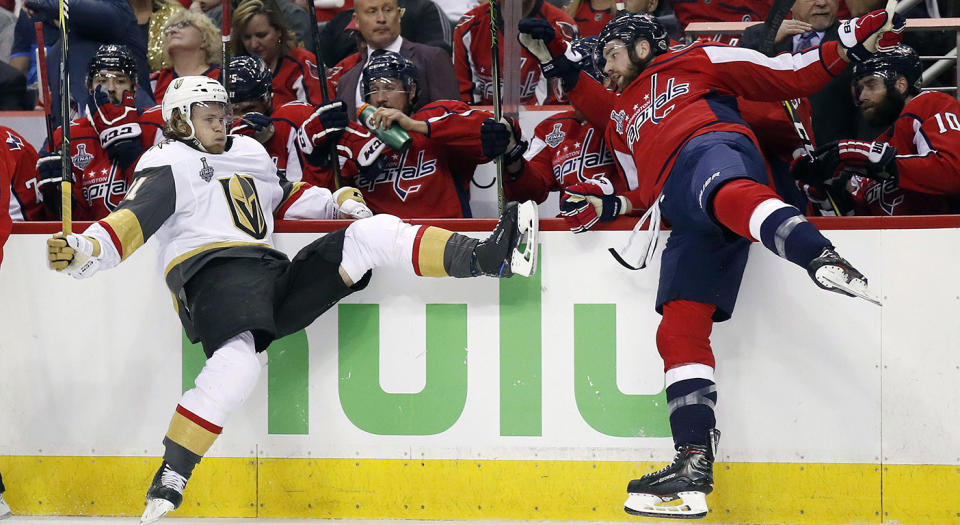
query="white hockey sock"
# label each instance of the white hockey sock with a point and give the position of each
(381, 240)
(225, 382)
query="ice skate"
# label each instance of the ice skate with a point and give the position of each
(512, 246)
(678, 490)
(165, 494)
(4, 509)
(834, 273)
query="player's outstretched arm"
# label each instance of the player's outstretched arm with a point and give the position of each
(303, 201)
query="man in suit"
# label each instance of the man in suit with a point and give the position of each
(379, 23)
(815, 21)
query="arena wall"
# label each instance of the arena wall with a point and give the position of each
(532, 399)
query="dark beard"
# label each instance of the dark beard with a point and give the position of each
(886, 112)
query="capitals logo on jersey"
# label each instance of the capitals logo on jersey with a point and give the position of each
(398, 175)
(657, 109)
(108, 184)
(13, 142)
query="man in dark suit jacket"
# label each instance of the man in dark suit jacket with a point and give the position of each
(834, 111)
(379, 23)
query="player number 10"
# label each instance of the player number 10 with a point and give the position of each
(951, 119)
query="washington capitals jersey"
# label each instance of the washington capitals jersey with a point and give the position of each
(283, 148)
(685, 93)
(199, 205)
(563, 151)
(151, 127)
(296, 78)
(590, 21)
(99, 183)
(927, 139)
(334, 73)
(472, 58)
(26, 201)
(160, 80)
(430, 179)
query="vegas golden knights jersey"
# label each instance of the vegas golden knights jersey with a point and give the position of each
(202, 206)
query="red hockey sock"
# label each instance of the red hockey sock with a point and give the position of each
(735, 201)
(683, 336)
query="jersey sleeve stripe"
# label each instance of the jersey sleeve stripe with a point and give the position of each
(124, 230)
(781, 62)
(292, 192)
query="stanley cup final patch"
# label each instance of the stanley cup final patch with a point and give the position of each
(82, 159)
(206, 172)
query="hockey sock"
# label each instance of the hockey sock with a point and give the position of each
(754, 211)
(690, 403)
(187, 440)
(442, 253)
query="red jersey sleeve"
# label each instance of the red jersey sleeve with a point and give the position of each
(463, 35)
(456, 126)
(536, 180)
(927, 138)
(593, 100)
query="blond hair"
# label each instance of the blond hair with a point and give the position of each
(268, 8)
(209, 34)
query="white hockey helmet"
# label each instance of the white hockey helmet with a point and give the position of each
(186, 91)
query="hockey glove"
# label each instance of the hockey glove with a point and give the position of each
(350, 203)
(326, 123)
(538, 37)
(863, 35)
(117, 124)
(499, 138)
(878, 160)
(585, 203)
(50, 176)
(256, 125)
(76, 255)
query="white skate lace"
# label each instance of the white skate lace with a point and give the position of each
(172, 480)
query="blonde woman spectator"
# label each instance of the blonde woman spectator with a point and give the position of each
(154, 14)
(191, 45)
(259, 29)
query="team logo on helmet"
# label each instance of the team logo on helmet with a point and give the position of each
(177, 83)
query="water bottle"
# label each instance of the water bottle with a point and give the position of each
(395, 137)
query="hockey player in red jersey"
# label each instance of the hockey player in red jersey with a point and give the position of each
(251, 98)
(565, 150)
(914, 167)
(471, 56)
(430, 179)
(104, 145)
(210, 200)
(26, 201)
(688, 155)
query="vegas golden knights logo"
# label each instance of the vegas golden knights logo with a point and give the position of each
(244, 204)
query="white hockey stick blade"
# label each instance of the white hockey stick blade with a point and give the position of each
(156, 509)
(523, 261)
(835, 277)
(693, 505)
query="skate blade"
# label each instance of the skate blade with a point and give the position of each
(693, 505)
(156, 509)
(836, 278)
(523, 261)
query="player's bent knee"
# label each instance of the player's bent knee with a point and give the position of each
(373, 228)
(683, 336)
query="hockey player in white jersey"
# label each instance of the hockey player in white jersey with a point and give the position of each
(210, 200)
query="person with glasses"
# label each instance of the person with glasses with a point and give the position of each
(191, 45)
(430, 179)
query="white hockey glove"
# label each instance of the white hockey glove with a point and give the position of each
(350, 203)
(77, 255)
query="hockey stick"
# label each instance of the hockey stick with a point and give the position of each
(43, 84)
(66, 183)
(226, 7)
(324, 92)
(497, 103)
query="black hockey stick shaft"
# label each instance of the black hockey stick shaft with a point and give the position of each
(324, 92)
(497, 103)
(66, 184)
(43, 83)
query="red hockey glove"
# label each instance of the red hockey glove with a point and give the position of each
(585, 203)
(878, 159)
(256, 125)
(863, 35)
(326, 123)
(113, 122)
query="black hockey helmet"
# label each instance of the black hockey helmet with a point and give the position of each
(628, 27)
(890, 66)
(585, 47)
(112, 57)
(250, 80)
(387, 64)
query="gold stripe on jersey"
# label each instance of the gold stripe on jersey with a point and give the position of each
(207, 247)
(289, 190)
(190, 435)
(126, 226)
(430, 255)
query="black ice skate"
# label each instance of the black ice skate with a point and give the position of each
(689, 478)
(165, 494)
(512, 246)
(834, 273)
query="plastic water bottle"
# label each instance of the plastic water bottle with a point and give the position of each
(395, 137)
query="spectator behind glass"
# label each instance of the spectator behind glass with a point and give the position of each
(92, 23)
(379, 23)
(471, 56)
(294, 15)
(192, 46)
(23, 54)
(259, 29)
(152, 17)
(423, 22)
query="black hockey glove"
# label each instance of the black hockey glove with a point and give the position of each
(497, 138)
(538, 37)
(50, 176)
